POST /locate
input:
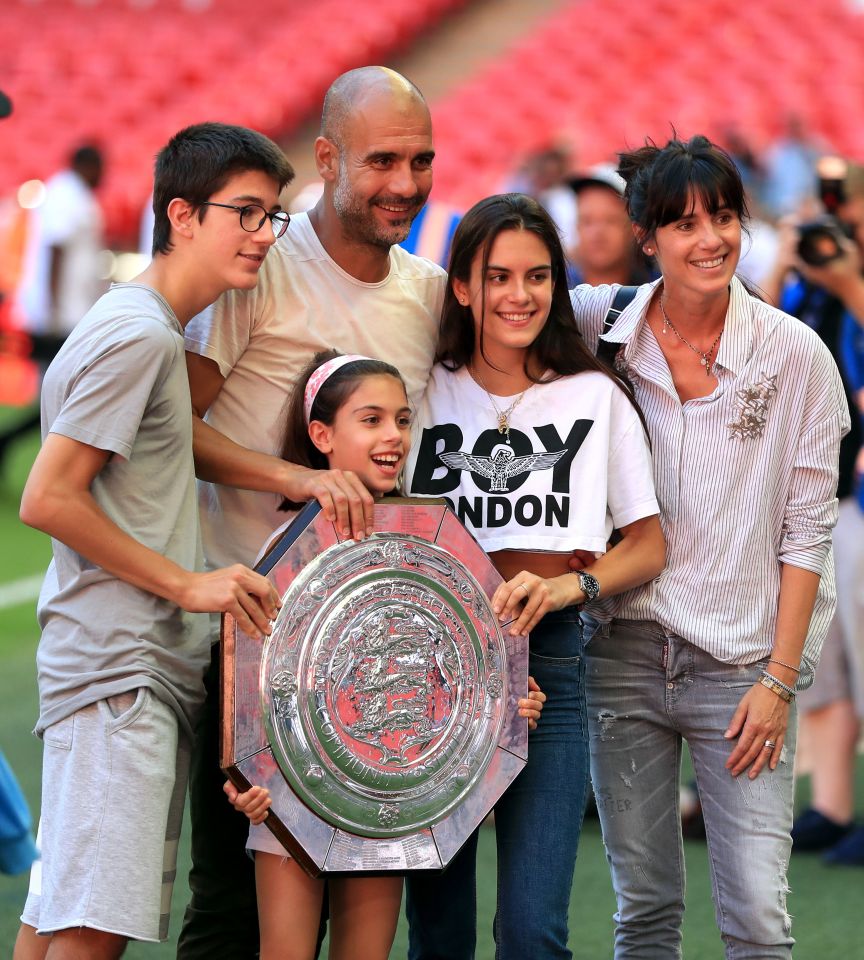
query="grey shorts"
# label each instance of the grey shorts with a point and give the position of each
(840, 671)
(113, 784)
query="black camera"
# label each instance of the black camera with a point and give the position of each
(821, 241)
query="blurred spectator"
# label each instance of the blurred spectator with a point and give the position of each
(432, 232)
(543, 176)
(790, 170)
(63, 266)
(17, 849)
(145, 228)
(760, 248)
(748, 163)
(605, 249)
(62, 274)
(830, 299)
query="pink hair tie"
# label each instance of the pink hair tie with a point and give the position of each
(319, 376)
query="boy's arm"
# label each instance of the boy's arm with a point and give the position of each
(343, 498)
(57, 500)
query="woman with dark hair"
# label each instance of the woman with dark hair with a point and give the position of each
(745, 409)
(541, 451)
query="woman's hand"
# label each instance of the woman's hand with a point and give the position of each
(532, 705)
(760, 719)
(538, 595)
(254, 802)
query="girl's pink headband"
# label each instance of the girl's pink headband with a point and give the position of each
(323, 373)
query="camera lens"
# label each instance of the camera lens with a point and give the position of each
(819, 243)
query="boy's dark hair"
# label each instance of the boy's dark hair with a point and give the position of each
(199, 160)
(332, 394)
(559, 347)
(662, 181)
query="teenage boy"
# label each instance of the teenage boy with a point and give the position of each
(121, 657)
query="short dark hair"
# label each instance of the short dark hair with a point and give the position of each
(297, 446)
(662, 182)
(199, 160)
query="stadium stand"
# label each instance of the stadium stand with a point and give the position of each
(602, 73)
(609, 72)
(129, 73)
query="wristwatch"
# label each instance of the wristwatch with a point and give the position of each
(590, 586)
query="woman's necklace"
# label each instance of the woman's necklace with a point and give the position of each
(704, 355)
(503, 416)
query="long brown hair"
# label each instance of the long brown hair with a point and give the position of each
(559, 346)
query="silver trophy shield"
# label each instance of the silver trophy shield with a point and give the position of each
(381, 713)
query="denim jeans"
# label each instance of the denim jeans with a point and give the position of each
(442, 909)
(647, 692)
(537, 826)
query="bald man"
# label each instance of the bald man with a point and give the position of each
(336, 279)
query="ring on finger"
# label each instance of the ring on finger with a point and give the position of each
(522, 585)
(769, 745)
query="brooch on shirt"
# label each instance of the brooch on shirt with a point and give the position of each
(752, 409)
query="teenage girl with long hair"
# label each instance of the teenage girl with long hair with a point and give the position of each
(541, 450)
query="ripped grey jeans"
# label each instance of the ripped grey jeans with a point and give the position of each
(647, 692)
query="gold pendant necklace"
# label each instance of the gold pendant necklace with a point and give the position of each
(502, 416)
(704, 355)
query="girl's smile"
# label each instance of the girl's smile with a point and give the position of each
(514, 297)
(371, 433)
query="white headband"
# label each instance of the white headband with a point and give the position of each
(324, 372)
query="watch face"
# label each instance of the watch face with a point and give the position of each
(590, 586)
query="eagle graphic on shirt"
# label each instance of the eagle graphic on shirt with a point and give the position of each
(502, 465)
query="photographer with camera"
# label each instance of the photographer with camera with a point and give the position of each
(818, 278)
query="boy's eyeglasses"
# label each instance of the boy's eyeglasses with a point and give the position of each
(252, 217)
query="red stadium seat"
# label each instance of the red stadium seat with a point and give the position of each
(610, 72)
(128, 75)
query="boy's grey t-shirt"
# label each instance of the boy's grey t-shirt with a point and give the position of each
(119, 384)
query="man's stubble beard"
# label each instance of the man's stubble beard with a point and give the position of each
(358, 219)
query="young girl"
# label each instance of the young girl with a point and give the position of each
(348, 413)
(541, 451)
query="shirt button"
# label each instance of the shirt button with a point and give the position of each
(670, 686)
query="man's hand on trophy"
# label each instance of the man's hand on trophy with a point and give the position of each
(532, 705)
(254, 802)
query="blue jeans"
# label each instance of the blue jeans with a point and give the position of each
(647, 692)
(537, 826)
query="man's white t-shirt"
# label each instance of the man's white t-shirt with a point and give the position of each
(261, 339)
(577, 465)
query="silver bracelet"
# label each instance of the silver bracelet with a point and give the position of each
(780, 683)
(780, 663)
